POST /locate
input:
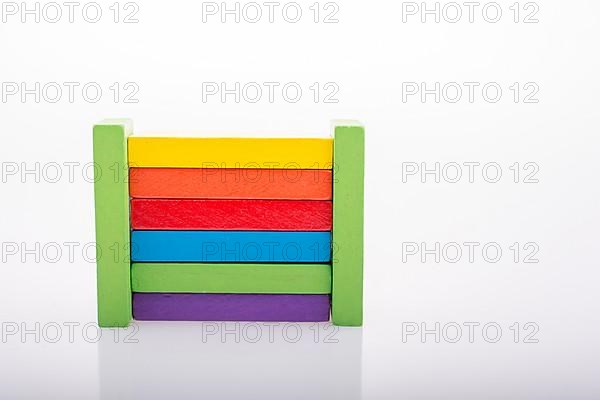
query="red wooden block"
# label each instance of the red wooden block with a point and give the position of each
(251, 215)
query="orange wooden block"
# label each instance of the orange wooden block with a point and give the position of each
(230, 183)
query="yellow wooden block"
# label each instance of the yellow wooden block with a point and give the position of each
(208, 152)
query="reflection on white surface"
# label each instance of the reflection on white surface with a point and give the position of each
(231, 361)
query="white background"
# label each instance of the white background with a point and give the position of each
(368, 54)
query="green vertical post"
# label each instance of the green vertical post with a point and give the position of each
(111, 195)
(348, 202)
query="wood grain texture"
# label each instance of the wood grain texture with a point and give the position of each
(231, 278)
(208, 152)
(230, 183)
(112, 222)
(268, 215)
(348, 200)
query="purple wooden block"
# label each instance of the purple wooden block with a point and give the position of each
(230, 307)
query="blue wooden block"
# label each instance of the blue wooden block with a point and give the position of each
(230, 246)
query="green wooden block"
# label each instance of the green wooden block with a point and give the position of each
(111, 195)
(231, 278)
(348, 201)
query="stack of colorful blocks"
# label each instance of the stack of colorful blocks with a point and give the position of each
(229, 229)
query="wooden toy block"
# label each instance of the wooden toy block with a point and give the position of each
(231, 278)
(230, 246)
(230, 307)
(248, 229)
(241, 183)
(112, 222)
(271, 215)
(348, 199)
(203, 152)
